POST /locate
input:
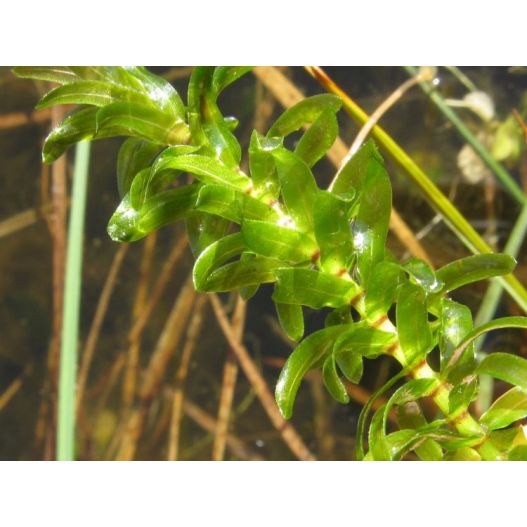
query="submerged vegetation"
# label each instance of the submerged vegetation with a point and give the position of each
(322, 250)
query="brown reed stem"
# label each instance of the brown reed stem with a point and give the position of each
(230, 372)
(7, 395)
(286, 429)
(15, 119)
(56, 220)
(134, 345)
(181, 375)
(98, 318)
(208, 423)
(158, 289)
(163, 352)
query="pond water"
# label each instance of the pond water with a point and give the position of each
(26, 271)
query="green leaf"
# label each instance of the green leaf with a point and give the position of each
(203, 230)
(312, 288)
(146, 185)
(213, 256)
(167, 207)
(248, 292)
(139, 188)
(130, 224)
(318, 138)
(462, 395)
(423, 275)
(273, 241)
(341, 315)
(107, 73)
(303, 113)
(400, 442)
(354, 171)
(220, 200)
(200, 84)
(291, 317)
(365, 341)
(458, 355)
(231, 122)
(415, 335)
(225, 75)
(95, 93)
(504, 440)
(445, 437)
(242, 273)
(233, 204)
(506, 367)
(332, 381)
(510, 407)
(206, 169)
(371, 224)
(144, 122)
(410, 416)
(122, 226)
(473, 269)
(101, 85)
(379, 447)
(298, 187)
(207, 123)
(308, 353)
(79, 125)
(134, 155)
(160, 92)
(350, 363)
(60, 74)
(419, 437)
(219, 134)
(456, 324)
(411, 391)
(463, 454)
(518, 453)
(263, 167)
(508, 141)
(423, 443)
(361, 424)
(333, 232)
(382, 289)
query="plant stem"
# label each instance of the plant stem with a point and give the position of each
(72, 292)
(464, 423)
(454, 219)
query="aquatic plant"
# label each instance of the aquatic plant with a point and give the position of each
(320, 249)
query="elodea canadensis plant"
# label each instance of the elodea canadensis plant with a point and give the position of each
(320, 249)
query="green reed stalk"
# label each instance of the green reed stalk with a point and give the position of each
(72, 293)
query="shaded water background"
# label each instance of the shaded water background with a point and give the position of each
(26, 269)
